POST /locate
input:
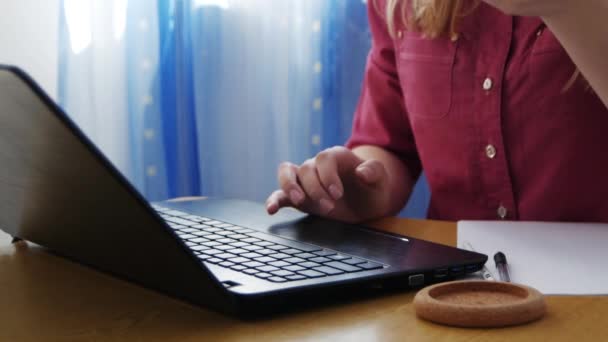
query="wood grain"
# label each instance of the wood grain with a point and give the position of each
(44, 297)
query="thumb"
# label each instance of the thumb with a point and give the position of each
(371, 172)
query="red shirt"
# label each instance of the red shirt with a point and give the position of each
(487, 119)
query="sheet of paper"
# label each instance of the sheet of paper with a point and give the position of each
(554, 258)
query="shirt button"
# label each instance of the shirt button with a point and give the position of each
(539, 32)
(502, 212)
(399, 34)
(490, 151)
(487, 84)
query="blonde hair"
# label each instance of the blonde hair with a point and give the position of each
(434, 18)
(431, 17)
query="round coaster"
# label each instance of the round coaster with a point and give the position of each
(479, 304)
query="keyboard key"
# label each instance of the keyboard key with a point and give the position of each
(320, 260)
(238, 267)
(241, 237)
(204, 256)
(239, 244)
(291, 251)
(276, 247)
(214, 237)
(267, 268)
(354, 261)
(242, 230)
(210, 243)
(312, 274)
(279, 263)
(225, 240)
(286, 242)
(263, 243)
(213, 223)
(180, 221)
(282, 273)
(188, 230)
(265, 251)
(213, 229)
(249, 239)
(225, 256)
(226, 248)
(342, 266)
(296, 277)
(294, 268)
(338, 257)
(251, 255)
(294, 260)
(305, 255)
(240, 260)
(237, 251)
(263, 275)
(309, 264)
(188, 243)
(198, 239)
(213, 251)
(281, 256)
(277, 279)
(253, 248)
(252, 264)
(224, 225)
(265, 259)
(201, 233)
(251, 271)
(227, 264)
(201, 226)
(199, 247)
(214, 260)
(186, 236)
(370, 265)
(328, 270)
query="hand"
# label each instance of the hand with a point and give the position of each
(537, 8)
(335, 184)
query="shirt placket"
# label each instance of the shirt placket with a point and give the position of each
(489, 76)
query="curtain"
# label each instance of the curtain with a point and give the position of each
(207, 97)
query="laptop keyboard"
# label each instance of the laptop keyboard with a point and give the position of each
(261, 255)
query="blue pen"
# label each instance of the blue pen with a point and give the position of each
(501, 264)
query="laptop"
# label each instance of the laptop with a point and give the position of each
(57, 190)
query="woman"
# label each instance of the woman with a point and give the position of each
(506, 121)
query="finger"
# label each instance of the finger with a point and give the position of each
(316, 193)
(288, 181)
(371, 172)
(276, 201)
(327, 169)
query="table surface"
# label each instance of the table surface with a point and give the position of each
(45, 297)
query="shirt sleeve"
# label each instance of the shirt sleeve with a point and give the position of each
(381, 118)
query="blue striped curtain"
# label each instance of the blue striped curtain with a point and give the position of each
(207, 97)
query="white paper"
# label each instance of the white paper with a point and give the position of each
(554, 258)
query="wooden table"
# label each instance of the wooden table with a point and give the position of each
(44, 297)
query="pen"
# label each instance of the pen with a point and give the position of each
(501, 264)
(485, 273)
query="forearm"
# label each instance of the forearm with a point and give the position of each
(401, 181)
(583, 32)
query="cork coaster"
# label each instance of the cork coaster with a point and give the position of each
(479, 304)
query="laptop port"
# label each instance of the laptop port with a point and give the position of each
(440, 273)
(472, 268)
(456, 271)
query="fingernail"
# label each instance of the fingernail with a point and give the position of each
(296, 196)
(326, 206)
(272, 207)
(335, 192)
(365, 172)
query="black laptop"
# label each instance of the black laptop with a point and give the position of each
(58, 190)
